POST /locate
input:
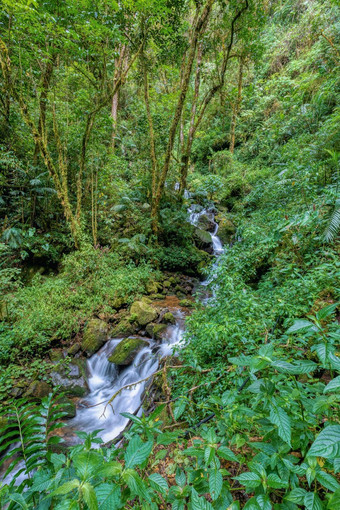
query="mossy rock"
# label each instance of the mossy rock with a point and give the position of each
(38, 389)
(187, 303)
(71, 379)
(152, 288)
(143, 312)
(56, 354)
(155, 330)
(95, 335)
(157, 296)
(117, 302)
(71, 351)
(169, 318)
(126, 351)
(125, 327)
(226, 229)
(167, 284)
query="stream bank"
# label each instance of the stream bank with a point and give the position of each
(121, 358)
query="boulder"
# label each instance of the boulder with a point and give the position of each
(38, 389)
(169, 318)
(71, 379)
(56, 354)
(126, 351)
(152, 288)
(186, 303)
(71, 351)
(125, 328)
(157, 296)
(117, 302)
(95, 335)
(143, 312)
(155, 330)
(226, 230)
(206, 222)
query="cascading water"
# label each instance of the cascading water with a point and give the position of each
(105, 378)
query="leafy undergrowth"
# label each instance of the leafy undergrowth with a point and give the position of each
(55, 308)
(264, 449)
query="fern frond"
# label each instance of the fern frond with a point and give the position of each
(32, 428)
(333, 226)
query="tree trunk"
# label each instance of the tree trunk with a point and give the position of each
(236, 107)
(209, 96)
(151, 130)
(186, 154)
(199, 27)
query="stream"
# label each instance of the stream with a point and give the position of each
(105, 378)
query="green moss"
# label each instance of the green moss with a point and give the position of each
(124, 328)
(169, 318)
(187, 303)
(126, 351)
(155, 330)
(95, 335)
(144, 312)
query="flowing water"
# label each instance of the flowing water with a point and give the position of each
(105, 378)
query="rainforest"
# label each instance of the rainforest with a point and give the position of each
(169, 254)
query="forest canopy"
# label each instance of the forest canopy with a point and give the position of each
(169, 181)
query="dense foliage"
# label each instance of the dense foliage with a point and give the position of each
(115, 117)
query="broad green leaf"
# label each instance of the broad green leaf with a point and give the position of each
(275, 482)
(327, 481)
(297, 496)
(326, 311)
(334, 502)
(249, 479)
(251, 504)
(215, 484)
(158, 483)
(280, 418)
(227, 454)
(66, 488)
(110, 469)
(180, 478)
(89, 496)
(108, 496)
(263, 502)
(132, 417)
(327, 443)
(180, 408)
(137, 452)
(136, 484)
(300, 324)
(20, 500)
(199, 503)
(312, 501)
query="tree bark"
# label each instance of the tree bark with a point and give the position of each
(208, 97)
(199, 26)
(153, 156)
(236, 107)
(186, 154)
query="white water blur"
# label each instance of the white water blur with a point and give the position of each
(105, 379)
